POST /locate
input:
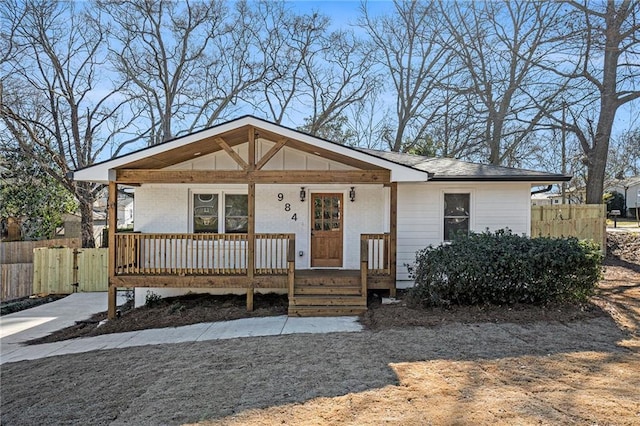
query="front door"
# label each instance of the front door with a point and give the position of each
(326, 230)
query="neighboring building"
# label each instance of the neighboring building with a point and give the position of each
(253, 205)
(630, 188)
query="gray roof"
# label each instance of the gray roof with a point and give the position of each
(450, 169)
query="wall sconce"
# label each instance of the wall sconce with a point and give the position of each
(303, 194)
(352, 194)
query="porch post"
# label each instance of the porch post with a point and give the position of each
(364, 265)
(393, 236)
(112, 213)
(251, 225)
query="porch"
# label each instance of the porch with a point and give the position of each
(250, 262)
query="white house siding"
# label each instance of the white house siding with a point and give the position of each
(421, 214)
(632, 193)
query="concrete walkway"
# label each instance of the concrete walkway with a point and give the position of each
(44, 319)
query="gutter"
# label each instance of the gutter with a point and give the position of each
(541, 191)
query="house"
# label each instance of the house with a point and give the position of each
(125, 213)
(256, 206)
(630, 188)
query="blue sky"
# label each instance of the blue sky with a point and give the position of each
(342, 12)
(345, 13)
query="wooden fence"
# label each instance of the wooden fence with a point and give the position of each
(16, 265)
(66, 270)
(583, 221)
(22, 251)
(17, 280)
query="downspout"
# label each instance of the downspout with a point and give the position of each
(540, 191)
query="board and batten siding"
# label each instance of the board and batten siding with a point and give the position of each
(493, 206)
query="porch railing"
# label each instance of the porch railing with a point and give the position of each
(375, 250)
(200, 254)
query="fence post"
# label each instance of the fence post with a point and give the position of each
(75, 284)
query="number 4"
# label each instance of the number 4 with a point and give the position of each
(295, 216)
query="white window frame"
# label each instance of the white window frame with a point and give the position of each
(221, 205)
(472, 209)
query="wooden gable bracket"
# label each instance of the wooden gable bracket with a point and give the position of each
(224, 145)
(269, 155)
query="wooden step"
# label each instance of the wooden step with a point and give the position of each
(328, 300)
(329, 281)
(322, 289)
(325, 311)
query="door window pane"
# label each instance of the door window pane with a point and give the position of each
(205, 213)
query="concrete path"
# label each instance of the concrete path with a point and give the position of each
(623, 229)
(44, 319)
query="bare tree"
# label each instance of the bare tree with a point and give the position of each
(188, 62)
(602, 68)
(53, 106)
(364, 122)
(407, 46)
(496, 46)
(289, 39)
(624, 156)
(337, 78)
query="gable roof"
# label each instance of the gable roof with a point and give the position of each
(403, 167)
(624, 183)
(451, 170)
(234, 132)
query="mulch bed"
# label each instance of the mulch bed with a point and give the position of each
(381, 317)
(624, 246)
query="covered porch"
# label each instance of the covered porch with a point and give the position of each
(335, 246)
(250, 263)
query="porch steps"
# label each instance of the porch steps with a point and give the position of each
(325, 311)
(329, 300)
(327, 293)
(328, 290)
(329, 281)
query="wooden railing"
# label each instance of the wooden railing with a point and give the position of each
(272, 253)
(200, 254)
(375, 250)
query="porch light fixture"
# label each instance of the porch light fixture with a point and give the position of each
(352, 194)
(303, 194)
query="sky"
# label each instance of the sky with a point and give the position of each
(345, 13)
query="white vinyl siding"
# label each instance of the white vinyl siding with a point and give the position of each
(421, 214)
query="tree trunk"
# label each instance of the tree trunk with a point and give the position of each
(85, 201)
(597, 156)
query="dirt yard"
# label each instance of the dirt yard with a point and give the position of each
(553, 370)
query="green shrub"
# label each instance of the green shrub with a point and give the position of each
(151, 299)
(503, 268)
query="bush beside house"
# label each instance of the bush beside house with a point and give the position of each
(503, 268)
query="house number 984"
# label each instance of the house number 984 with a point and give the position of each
(287, 206)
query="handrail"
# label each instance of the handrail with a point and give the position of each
(200, 254)
(375, 249)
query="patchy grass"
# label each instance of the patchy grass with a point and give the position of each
(23, 303)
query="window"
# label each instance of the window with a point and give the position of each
(236, 213)
(209, 216)
(205, 213)
(456, 214)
